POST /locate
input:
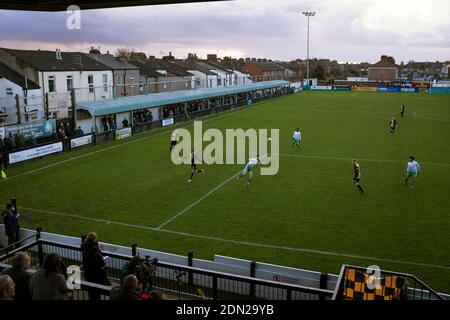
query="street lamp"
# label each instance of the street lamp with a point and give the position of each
(308, 14)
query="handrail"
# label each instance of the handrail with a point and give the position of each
(229, 276)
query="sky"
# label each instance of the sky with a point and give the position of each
(342, 30)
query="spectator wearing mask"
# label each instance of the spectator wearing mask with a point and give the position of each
(49, 283)
(19, 274)
(94, 266)
(6, 288)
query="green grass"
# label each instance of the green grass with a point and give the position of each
(310, 204)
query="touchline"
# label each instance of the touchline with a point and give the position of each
(233, 144)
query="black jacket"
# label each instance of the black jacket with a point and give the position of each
(121, 293)
(93, 263)
(21, 279)
(11, 224)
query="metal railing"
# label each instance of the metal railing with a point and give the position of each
(185, 281)
(413, 289)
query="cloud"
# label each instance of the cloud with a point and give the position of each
(353, 30)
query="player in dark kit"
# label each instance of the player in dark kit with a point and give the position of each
(392, 124)
(357, 175)
(402, 110)
(194, 166)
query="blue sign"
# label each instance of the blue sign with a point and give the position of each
(408, 90)
(33, 129)
(382, 89)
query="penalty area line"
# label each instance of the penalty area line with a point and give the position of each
(237, 242)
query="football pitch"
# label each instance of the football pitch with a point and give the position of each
(309, 215)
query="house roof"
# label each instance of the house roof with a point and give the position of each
(383, 64)
(233, 65)
(15, 77)
(195, 66)
(170, 67)
(126, 104)
(113, 63)
(266, 66)
(44, 60)
(146, 69)
(214, 66)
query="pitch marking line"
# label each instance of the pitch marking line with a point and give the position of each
(227, 113)
(201, 199)
(237, 242)
(356, 158)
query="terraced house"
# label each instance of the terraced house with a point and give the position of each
(57, 73)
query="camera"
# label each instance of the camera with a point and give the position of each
(145, 270)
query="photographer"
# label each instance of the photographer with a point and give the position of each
(129, 268)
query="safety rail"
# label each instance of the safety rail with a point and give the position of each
(184, 281)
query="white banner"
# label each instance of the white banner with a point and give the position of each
(123, 133)
(82, 141)
(35, 152)
(167, 122)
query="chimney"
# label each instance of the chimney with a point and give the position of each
(58, 54)
(211, 57)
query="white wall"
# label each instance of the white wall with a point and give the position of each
(59, 101)
(8, 103)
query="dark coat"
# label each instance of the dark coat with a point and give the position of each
(93, 263)
(21, 279)
(11, 224)
(122, 293)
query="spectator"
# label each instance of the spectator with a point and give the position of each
(62, 133)
(129, 268)
(12, 141)
(125, 123)
(150, 116)
(49, 283)
(33, 139)
(93, 264)
(113, 124)
(79, 132)
(6, 288)
(20, 276)
(129, 290)
(11, 224)
(68, 129)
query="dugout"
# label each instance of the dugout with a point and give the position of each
(168, 108)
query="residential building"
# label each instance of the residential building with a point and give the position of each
(264, 70)
(384, 70)
(125, 75)
(224, 75)
(203, 78)
(29, 94)
(57, 73)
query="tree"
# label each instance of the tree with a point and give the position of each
(130, 54)
(319, 72)
(94, 50)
